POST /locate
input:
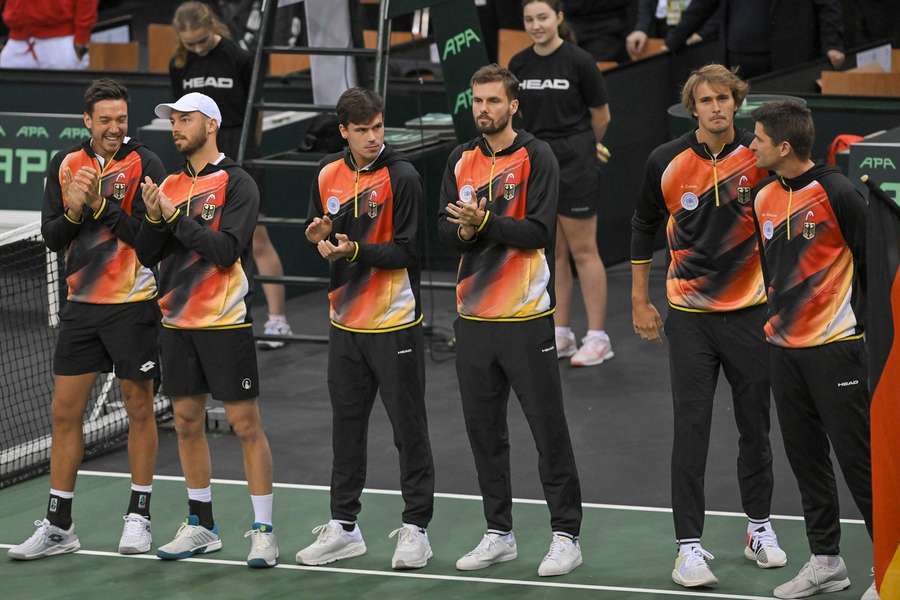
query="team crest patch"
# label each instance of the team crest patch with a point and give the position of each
(333, 205)
(689, 200)
(768, 230)
(120, 188)
(466, 193)
(809, 226)
(509, 188)
(373, 205)
(743, 191)
(209, 209)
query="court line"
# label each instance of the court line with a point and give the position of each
(454, 578)
(325, 488)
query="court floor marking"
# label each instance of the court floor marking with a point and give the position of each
(325, 488)
(429, 576)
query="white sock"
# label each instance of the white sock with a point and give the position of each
(754, 524)
(144, 489)
(597, 333)
(506, 536)
(278, 318)
(416, 527)
(262, 509)
(827, 560)
(200, 494)
(566, 330)
(687, 547)
(62, 494)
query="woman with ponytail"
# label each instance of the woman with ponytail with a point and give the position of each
(563, 102)
(208, 61)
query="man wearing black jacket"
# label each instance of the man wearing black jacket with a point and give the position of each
(499, 199)
(92, 211)
(600, 26)
(767, 36)
(198, 227)
(363, 217)
(811, 225)
(655, 19)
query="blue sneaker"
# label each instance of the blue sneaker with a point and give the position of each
(190, 539)
(263, 546)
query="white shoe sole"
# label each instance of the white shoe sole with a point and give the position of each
(54, 551)
(750, 555)
(402, 565)
(135, 549)
(262, 563)
(556, 573)
(831, 586)
(485, 565)
(593, 363)
(349, 551)
(677, 578)
(269, 345)
(210, 547)
(566, 353)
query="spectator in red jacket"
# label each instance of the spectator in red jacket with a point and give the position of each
(47, 34)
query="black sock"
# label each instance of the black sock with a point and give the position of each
(203, 511)
(139, 503)
(59, 512)
(348, 526)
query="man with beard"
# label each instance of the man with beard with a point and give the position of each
(199, 226)
(92, 210)
(363, 218)
(500, 192)
(700, 184)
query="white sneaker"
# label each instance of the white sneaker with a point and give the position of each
(413, 548)
(190, 539)
(691, 569)
(815, 577)
(762, 547)
(565, 345)
(47, 540)
(263, 546)
(563, 556)
(594, 350)
(871, 593)
(136, 537)
(274, 327)
(332, 543)
(492, 549)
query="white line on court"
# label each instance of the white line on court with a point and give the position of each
(455, 578)
(324, 488)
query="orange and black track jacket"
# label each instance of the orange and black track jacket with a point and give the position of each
(101, 264)
(715, 265)
(812, 233)
(376, 290)
(204, 249)
(506, 271)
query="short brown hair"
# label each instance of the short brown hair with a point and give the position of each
(714, 75)
(358, 105)
(494, 72)
(788, 121)
(103, 89)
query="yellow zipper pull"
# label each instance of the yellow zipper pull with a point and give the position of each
(356, 196)
(491, 179)
(790, 199)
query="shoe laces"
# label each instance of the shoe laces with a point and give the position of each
(697, 556)
(259, 538)
(596, 344)
(763, 538)
(277, 328)
(485, 545)
(558, 547)
(134, 525)
(407, 535)
(326, 532)
(42, 531)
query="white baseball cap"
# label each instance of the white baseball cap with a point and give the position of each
(193, 102)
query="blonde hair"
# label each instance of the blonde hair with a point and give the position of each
(195, 15)
(714, 75)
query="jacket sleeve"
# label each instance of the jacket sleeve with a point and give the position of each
(711, 29)
(175, 79)
(649, 214)
(448, 232)
(125, 226)
(56, 226)
(646, 12)
(831, 25)
(85, 18)
(850, 209)
(691, 21)
(153, 242)
(225, 246)
(537, 228)
(315, 200)
(767, 279)
(400, 252)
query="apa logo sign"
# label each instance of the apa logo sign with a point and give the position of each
(463, 101)
(459, 42)
(877, 162)
(31, 131)
(74, 133)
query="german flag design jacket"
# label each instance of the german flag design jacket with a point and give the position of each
(506, 271)
(812, 233)
(204, 249)
(705, 200)
(377, 289)
(101, 264)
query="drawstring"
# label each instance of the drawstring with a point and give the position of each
(491, 180)
(790, 199)
(356, 195)
(715, 172)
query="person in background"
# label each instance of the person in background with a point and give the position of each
(571, 115)
(600, 26)
(48, 34)
(207, 60)
(759, 37)
(656, 17)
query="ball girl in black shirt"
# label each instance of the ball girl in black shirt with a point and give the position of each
(208, 61)
(563, 102)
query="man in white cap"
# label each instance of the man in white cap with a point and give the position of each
(199, 227)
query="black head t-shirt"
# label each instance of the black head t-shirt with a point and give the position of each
(557, 90)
